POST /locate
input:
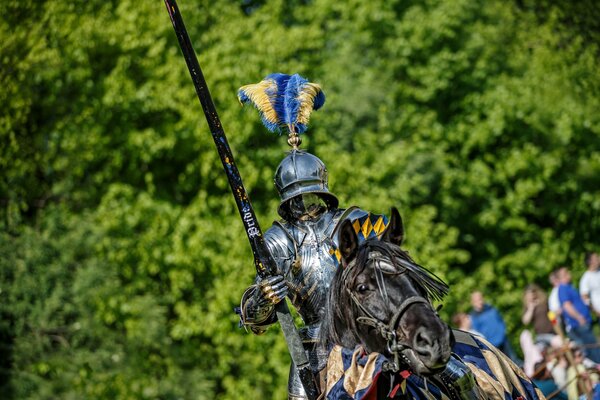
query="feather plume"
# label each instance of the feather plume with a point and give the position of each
(284, 102)
(262, 95)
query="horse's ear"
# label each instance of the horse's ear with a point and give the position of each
(348, 242)
(394, 233)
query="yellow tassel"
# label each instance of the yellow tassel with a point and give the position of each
(307, 101)
(257, 93)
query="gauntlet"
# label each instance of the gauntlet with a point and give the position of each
(258, 302)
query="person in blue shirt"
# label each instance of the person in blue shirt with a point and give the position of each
(488, 321)
(576, 315)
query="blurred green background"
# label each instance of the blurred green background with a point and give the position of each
(121, 252)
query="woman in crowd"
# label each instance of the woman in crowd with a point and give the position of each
(535, 312)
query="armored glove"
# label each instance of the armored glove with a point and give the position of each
(258, 302)
(272, 290)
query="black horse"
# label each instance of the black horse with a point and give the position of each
(381, 298)
(380, 303)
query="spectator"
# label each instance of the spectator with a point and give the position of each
(532, 353)
(580, 379)
(553, 302)
(557, 364)
(544, 381)
(535, 312)
(589, 285)
(463, 322)
(487, 320)
(576, 315)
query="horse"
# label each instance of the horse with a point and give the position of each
(388, 342)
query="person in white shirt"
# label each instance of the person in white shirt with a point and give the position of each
(553, 302)
(589, 285)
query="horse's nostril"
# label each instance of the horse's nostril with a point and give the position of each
(423, 339)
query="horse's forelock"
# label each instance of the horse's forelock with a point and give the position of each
(433, 287)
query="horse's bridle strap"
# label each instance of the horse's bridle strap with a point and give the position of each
(404, 306)
(395, 347)
(387, 331)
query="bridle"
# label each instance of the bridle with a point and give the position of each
(388, 331)
(394, 345)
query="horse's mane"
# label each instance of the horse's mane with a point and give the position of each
(339, 325)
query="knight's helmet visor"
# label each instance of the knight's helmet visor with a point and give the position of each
(302, 173)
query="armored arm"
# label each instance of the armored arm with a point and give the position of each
(257, 306)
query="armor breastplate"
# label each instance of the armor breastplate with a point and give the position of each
(312, 270)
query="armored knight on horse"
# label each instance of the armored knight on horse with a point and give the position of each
(304, 243)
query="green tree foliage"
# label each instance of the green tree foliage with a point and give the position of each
(121, 253)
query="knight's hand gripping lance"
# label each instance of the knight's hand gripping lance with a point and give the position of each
(262, 259)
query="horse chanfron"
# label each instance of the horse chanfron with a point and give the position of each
(381, 299)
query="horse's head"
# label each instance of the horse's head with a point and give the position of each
(380, 298)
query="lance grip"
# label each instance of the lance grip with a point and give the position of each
(262, 259)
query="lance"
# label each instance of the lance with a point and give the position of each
(263, 261)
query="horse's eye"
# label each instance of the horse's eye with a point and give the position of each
(361, 288)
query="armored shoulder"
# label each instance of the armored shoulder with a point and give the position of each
(281, 246)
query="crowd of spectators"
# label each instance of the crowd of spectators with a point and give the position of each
(561, 353)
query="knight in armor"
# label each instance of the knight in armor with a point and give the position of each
(303, 243)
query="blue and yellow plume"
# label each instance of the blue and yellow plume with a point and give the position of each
(283, 101)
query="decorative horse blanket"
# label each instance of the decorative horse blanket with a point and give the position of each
(353, 374)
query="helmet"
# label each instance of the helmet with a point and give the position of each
(301, 173)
